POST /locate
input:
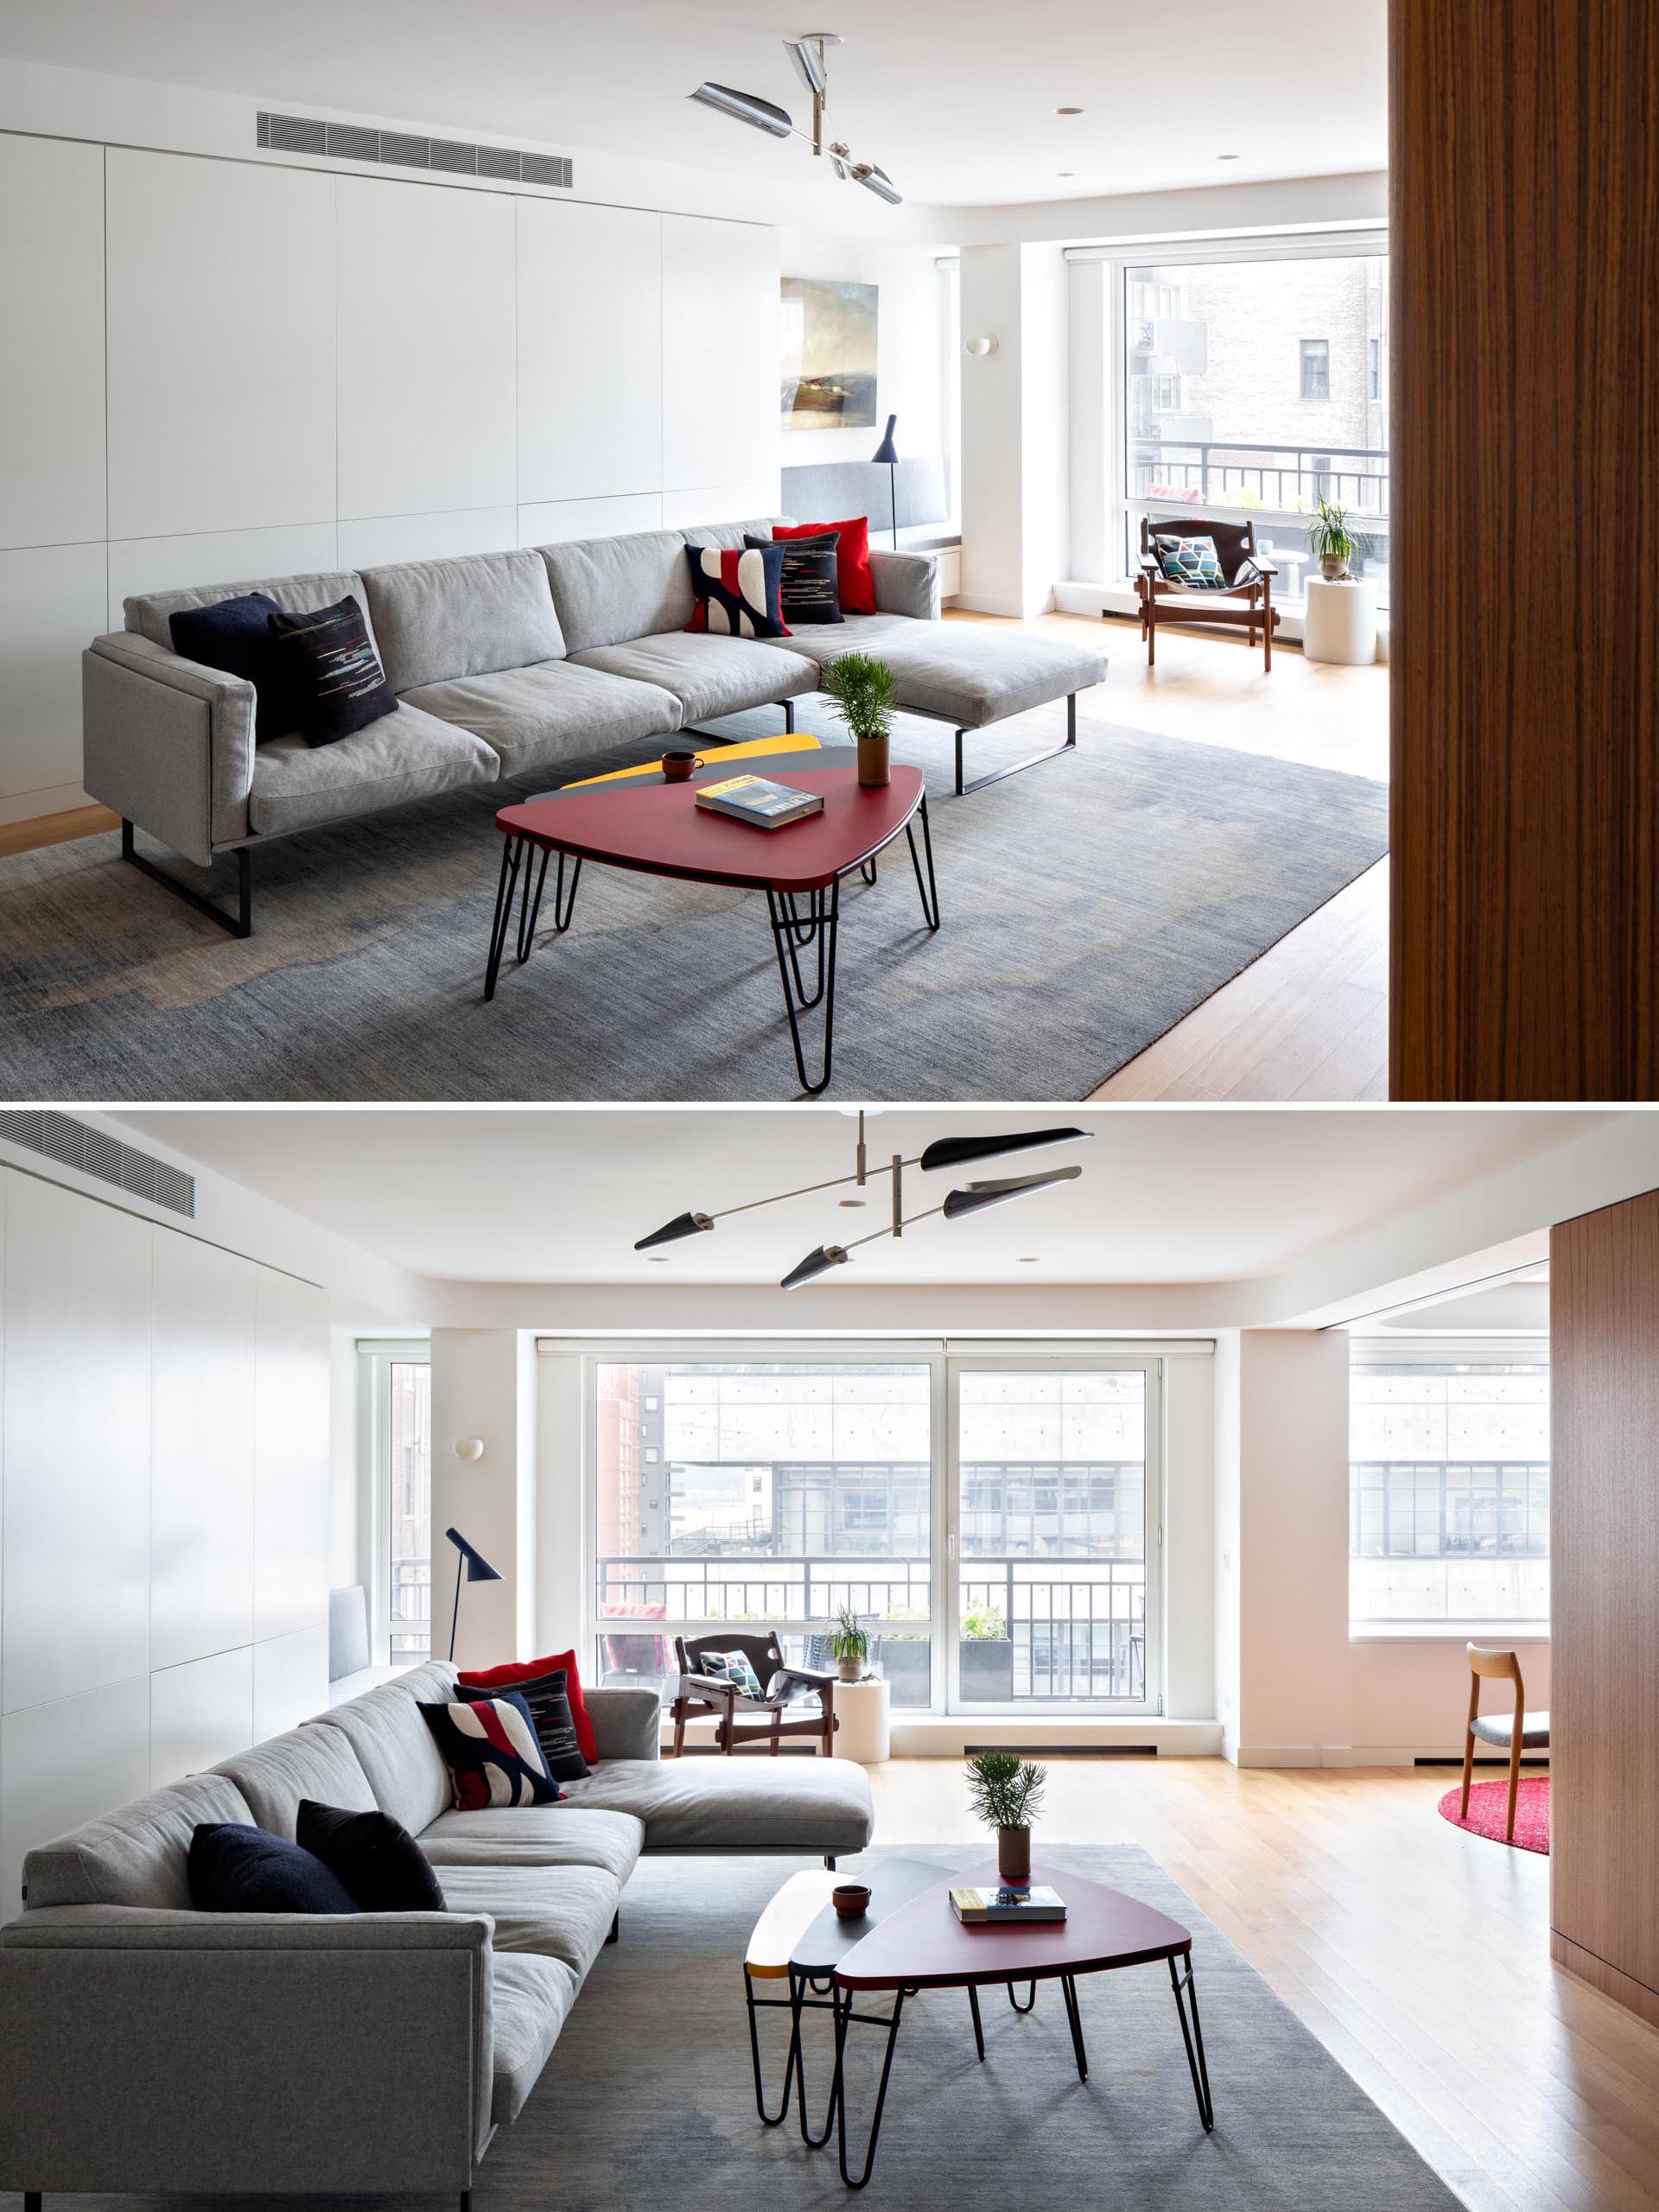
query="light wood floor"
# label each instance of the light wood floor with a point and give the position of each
(1310, 1019)
(1418, 1956)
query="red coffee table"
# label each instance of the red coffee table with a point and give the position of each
(922, 1945)
(656, 828)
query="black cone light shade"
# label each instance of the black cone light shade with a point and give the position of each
(683, 1224)
(886, 454)
(957, 1151)
(814, 1263)
(471, 1566)
(745, 107)
(977, 1196)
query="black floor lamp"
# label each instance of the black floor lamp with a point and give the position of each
(474, 1567)
(887, 453)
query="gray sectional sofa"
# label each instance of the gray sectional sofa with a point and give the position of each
(504, 663)
(146, 2046)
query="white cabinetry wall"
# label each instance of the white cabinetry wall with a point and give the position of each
(163, 1508)
(212, 370)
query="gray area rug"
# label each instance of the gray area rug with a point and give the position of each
(1088, 907)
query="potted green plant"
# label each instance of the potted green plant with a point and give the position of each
(1331, 542)
(863, 690)
(851, 1645)
(1006, 1792)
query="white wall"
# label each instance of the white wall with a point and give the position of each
(163, 1508)
(909, 342)
(1015, 441)
(484, 1387)
(301, 369)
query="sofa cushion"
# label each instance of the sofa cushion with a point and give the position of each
(735, 1804)
(740, 590)
(233, 1868)
(708, 675)
(731, 534)
(554, 711)
(395, 1747)
(276, 1775)
(335, 670)
(403, 756)
(151, 613)
(530, 2001)
(560, 1912)
(136, 1855)
(854, 633)
(491, 1751)
(549, 1701)
(970, 675)
(468, 617)
(235, 635)
(514, 1671)
(608, 589)
(537, 1835)
(376, 1857)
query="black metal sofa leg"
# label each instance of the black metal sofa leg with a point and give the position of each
(789, 714)
(31, 2200)
(241, 924)
(1031, 761)
(615, 1936)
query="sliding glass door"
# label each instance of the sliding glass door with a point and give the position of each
(994, 1523)
(1051, 1529)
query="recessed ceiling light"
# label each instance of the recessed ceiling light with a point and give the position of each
(1068, 111)
(1226, 157)
(1065, 172)
(658, 1259)
(855, 1202)
(1026, 1260)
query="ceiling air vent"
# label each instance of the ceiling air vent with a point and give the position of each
(75, 1144)
(404, 149)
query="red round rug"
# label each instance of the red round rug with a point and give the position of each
(1489, 1803)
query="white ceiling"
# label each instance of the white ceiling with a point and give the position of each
(957, 102)
(559, 1196)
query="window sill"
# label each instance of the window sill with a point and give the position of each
(1448, 1631)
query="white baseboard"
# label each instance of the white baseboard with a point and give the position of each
(943, 1736)
(31, 806)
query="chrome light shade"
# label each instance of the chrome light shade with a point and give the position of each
(875, 179)
(977, 1196)
(814, 1263)
(957, 1151)
(685, 1224)
(745, 107)
(809, 62)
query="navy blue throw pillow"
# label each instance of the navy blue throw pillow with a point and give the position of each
(335, 670)
(234, 634)
(376, 1857)
(547, 1698)
(235, 1869)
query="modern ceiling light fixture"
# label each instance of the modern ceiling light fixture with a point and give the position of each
(808, 54)
(943, 1152)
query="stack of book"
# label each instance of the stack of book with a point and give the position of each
(753, 798)
(975, 1907)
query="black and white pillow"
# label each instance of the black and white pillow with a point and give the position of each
(338, 679)
(737, 590)
(808, 591)
(548, 1700)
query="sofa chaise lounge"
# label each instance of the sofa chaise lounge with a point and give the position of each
(146, 2046)
(504, 663)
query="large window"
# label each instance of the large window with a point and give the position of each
(397, 1398)
(988, 1521)
(1232, 409)
(1449, 1486)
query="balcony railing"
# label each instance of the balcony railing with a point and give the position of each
(1279, 478)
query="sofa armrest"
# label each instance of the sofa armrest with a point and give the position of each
(627, 1724)
(167, 742)
(156, 2050)
(905, 584)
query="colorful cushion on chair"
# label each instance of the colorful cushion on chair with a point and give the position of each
(731, 1667)
(1189, 561)
(492, 1752)
(739, 595)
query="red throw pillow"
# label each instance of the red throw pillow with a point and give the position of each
(854, 585)
(503, 1678)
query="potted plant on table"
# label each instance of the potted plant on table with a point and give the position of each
(863, 690)
(1006, 1791)
(1332, 542)
(851, 1645)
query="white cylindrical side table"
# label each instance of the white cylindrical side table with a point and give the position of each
(864, 1710)
(1340, 623)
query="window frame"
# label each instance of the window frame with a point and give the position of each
(1312, 351)
(376, 1357)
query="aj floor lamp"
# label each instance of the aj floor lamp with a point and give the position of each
(887, 453)
(471, 1566)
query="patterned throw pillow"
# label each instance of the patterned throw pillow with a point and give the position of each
(739, 593)
(336, 673)
(1189, 561)
(556, 1724)
(854, 584)
(509, 1677)
(731, 1667)
(491, 1750)
(809, 586)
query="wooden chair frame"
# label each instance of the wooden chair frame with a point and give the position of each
(1247, 608)
(1494, 1666)
(699, 1694)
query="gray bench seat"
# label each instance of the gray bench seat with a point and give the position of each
(554, 710)
(970, 677)
(748, 1803)
(709, 675)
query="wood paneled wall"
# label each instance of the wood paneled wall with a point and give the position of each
(1605, 1605)
(1524, 648)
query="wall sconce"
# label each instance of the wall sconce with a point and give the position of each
(979, 347)
(469, 1448)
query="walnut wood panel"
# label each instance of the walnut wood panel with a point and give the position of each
(1524, 646)
(1605, 1601)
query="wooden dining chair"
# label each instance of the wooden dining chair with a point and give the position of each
(1525, 1731)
